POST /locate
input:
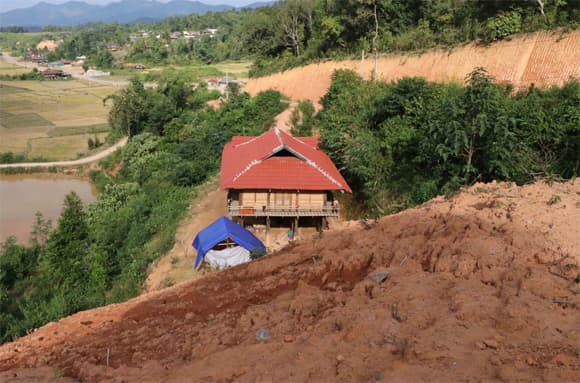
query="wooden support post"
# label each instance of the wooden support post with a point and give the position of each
(267, 230)
(296, 227)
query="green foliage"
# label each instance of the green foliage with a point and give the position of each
(554, 199)
(257, 253)
(503, 25)
(102, 59)
(11, 158)
(303, 119)
(41, 230)
(34, 74)
(92, 41)
(403, 143)
(150, 51)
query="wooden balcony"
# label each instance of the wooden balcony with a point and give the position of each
(247, 211)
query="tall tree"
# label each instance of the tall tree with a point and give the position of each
(128, 114)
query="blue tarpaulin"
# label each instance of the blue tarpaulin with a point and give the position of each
(219, 231)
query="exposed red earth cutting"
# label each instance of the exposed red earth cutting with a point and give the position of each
(542, 58)
(481, 288)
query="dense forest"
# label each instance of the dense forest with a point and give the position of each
(99, 255)
(295, 32)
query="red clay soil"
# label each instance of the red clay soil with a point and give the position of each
(481, 288)
(542, 58)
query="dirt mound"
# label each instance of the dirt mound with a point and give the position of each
(480, 287)
(543, 58)
(51, 45)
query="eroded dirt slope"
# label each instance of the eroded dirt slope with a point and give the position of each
(481, 288)
(543, 58)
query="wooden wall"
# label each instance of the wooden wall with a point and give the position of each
(283, 199)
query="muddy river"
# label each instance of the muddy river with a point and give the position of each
(21, 196)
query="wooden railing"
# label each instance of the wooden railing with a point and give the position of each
(248, 211)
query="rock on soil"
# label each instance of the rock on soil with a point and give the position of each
(483, 285)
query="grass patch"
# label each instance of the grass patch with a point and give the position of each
(12, 69)
(18, 42)
(193, 73)
(554, 200)
(239, 69)
(75, 130)
(25, 120)
(62, 148)
(9, 89)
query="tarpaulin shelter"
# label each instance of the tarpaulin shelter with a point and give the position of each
(219, 231)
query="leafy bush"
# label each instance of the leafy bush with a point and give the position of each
(257, 253)
(503, 25)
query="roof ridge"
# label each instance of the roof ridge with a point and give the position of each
(323, 172)
(246, 169)
(278, 135)
(302, 142)
(248, 141)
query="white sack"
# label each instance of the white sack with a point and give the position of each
(232, 256)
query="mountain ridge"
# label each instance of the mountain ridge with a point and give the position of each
(76, 12)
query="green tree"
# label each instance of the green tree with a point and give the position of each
(66, 258)
(41, 230)
(128, 113)
(103, 59)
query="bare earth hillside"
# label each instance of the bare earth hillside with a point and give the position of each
(481, 287)
(543, 58)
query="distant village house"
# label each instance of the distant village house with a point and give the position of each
(55, 74)
(35, 57)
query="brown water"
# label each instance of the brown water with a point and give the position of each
(21, 196)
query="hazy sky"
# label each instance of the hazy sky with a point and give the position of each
(7, 5)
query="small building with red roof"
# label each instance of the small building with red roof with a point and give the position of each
(279, 177)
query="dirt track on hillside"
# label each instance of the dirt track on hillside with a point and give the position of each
(543, 58)
(481, 288)
(177, 265)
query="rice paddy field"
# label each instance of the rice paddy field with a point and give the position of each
(238, 69)
(52, 120)
(11, 69)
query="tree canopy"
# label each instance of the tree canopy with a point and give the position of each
(403, 143)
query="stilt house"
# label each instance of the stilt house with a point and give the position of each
(281, 179)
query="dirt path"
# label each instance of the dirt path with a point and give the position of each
(284, 120)
(82, 161)
(481, 287)
(177, 265)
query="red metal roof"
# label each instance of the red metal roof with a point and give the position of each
(250, 163)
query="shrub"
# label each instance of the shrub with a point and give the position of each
(256, 253)
(503, 25)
